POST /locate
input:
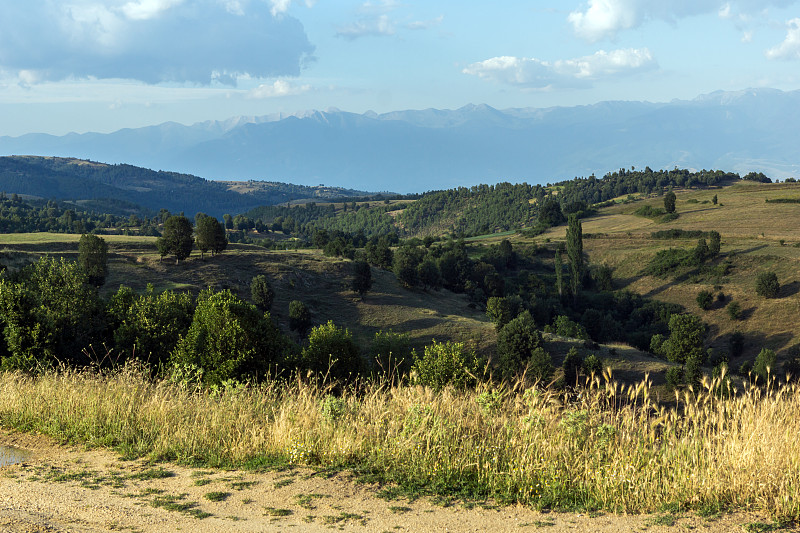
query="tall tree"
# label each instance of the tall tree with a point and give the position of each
(362, 278)
(178, 237)
(669, 201)
(559, 266)
(93, 258)
(210, 234)
(575, 253)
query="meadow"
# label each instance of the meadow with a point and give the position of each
(603, 447)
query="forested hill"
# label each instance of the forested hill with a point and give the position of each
(146, 190)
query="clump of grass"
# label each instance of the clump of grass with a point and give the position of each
(611, 447)
(216, 496)
(272, 511)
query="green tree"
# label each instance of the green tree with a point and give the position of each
(392, 353)
(299, 317)
(685, 341)
(714, 200)
(575, 253)
(428, 274)
(331, 351)
(261, 293)
(705, 299)
(499, 311)
(93, 258)
(210, 235)
(149, 326)
(767, 285)
(405, 264)
(50, 314)
(178, 238)
(734, 310)
(764, 365)
(230, 339)
(516, 342)
(449, 363)
(559, 268)
(573, 363)
(669, 201)
(362, 278)
(714, 243)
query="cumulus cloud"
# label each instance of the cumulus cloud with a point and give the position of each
(532, 73)
(277, 89)
(602, 19)
(195, 41)
(790, 47)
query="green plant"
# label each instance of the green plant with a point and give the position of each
(705, 299)
(764, 365)
(449, 363)
(299, 317)
(261, 292)
(767, 285)
(734, 310)
(331, 351)
(216, 496)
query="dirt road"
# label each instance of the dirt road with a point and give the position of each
(71, 489)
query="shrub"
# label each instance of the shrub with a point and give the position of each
(331, 351)
(705, 299)
(685, 342)
(767, 285)
(764, 364)
(567, 328)
(541, 365)
(734, 310)
(93, 258)
(229, 339)
(499, 311)
(391, 352)
(449, 363)
(261, 292)
(516, 341)
(674, 377)
(592, 364)
(299, 317)
(572, 365)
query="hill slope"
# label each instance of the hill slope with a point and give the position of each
(74, 179)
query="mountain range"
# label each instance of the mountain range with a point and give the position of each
(419, 150)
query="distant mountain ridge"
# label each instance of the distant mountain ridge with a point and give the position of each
(419, 150)
(100, 184)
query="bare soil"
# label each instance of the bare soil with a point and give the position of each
(66, 488)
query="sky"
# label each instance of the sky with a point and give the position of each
(103, 65)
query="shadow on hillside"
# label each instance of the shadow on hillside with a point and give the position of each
(789, 289)
(749, 250)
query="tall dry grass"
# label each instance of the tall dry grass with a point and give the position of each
(607, 446)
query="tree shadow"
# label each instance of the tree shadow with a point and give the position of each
(789, 289)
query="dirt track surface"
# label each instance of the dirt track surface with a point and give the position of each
(60, 489)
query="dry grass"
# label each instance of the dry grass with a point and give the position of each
(609, 447)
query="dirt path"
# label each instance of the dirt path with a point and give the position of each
(71, 489)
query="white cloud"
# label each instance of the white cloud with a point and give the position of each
(377, 26)
(197, 41)
(277, 89)
(532, 73)
(425, 24)
(790, 47)
(603, 19)
(147, 9)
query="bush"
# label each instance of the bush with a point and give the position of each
(449, 363)
(764, 365)
(516, 341)
(767, 285)
(674, 377)
(736, 344)
(391, 352)
(567, 328)
(499, 311)
(541, 365)
(332, 351)
(261, 292)
(573, 363)
(705, 299)
(592, 365)
(685, 342)
(299, 317)
(734, 310)
(229, 339)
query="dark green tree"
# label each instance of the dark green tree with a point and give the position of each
(714, 200)
(331, 351)
(499, 311)
(767, 285)
(669, 201)
(261, 292)
(362, 278)
(575, 253)
(178, 237)
(705, 299)
(516, 342)
(764, 365)
(210, 235)
(299, 317)
(685, 341)
(714, 243)
(230, 339)
(559, 267)
(93, 258)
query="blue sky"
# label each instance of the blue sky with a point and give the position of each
(102, 65)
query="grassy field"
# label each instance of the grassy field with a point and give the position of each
(608, 448)
(751, 230)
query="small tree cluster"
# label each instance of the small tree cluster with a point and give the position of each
(767, 285)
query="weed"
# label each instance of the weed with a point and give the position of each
(241, 485)
(272, 511)
(202, 481)
(399, 509)
(152, 473)
(216, 496)
(306, 501)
